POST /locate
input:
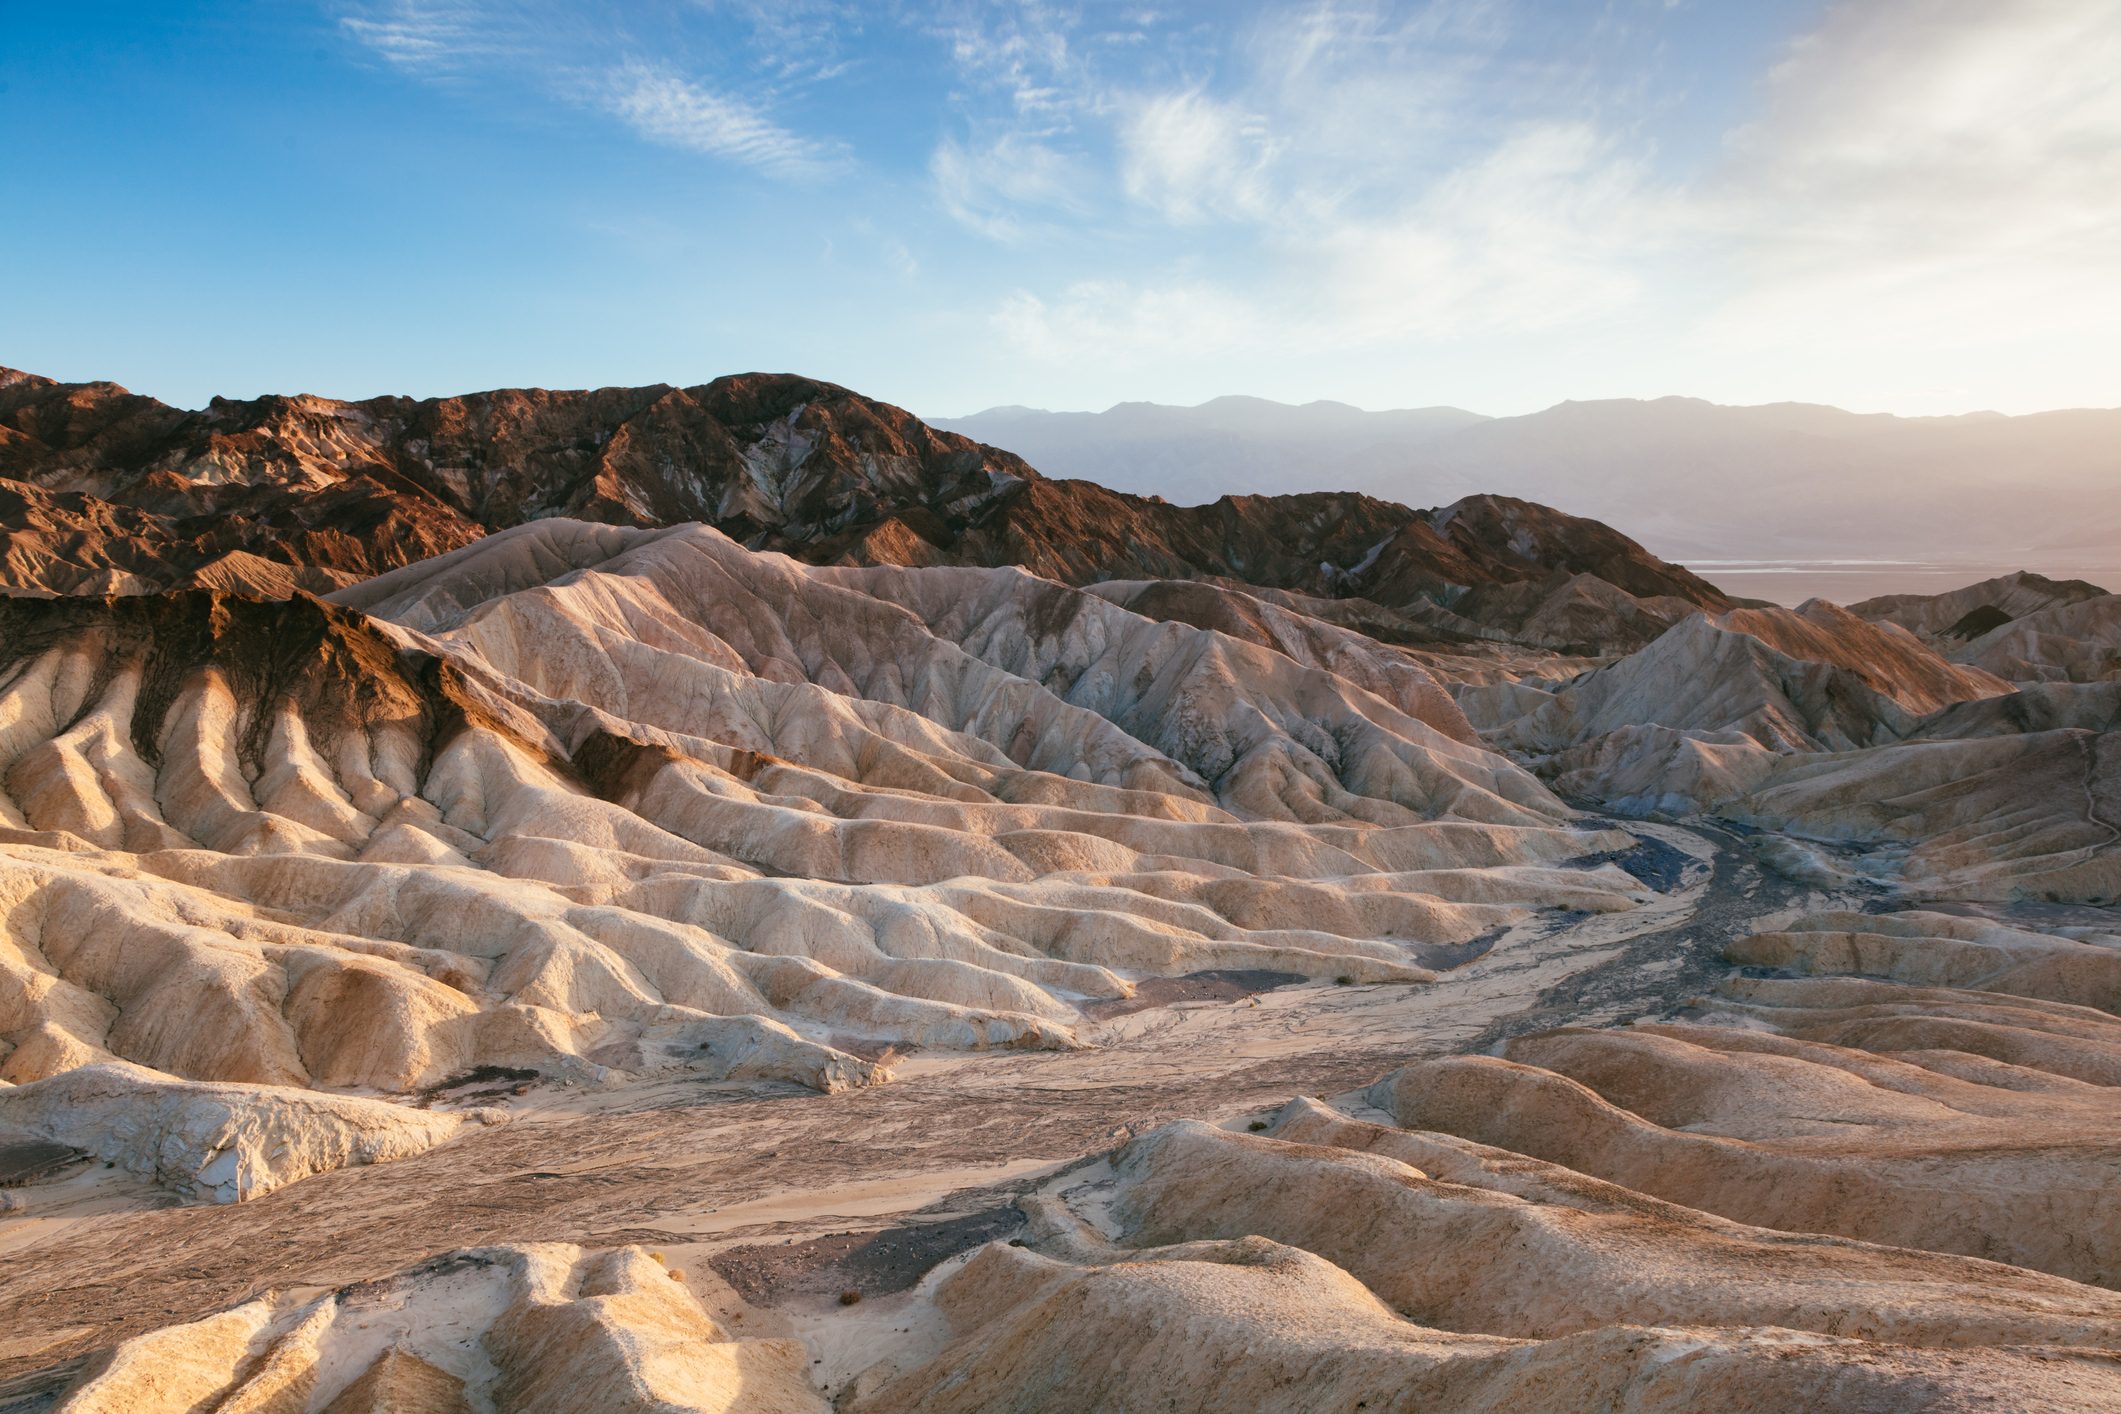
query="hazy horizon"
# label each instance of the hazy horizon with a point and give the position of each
(1419, 406)
(939, 418)
(1691, 480)
(1791, 583)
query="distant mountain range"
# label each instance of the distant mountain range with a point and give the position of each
(106, 492)
(1690, 478)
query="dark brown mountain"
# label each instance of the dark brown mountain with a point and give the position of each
(105, 491)
(358, 488)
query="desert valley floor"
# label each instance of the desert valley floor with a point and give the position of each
(730, 898)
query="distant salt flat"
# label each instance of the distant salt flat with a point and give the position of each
(1847, 581)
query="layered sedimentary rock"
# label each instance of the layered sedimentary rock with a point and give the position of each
(2072, 641)
(1256, 1325)
(1817, 679)
(2033, 707)
(1979, 771)
(1954, 618)
(1998, 817)
(2078, 969)
(539, 1328)
(588, 801)
(1873, 1185)
(220, 1142)
(1957, 1098)
(109, 492)
(756, 735)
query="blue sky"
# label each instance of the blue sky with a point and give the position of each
(1897, 205)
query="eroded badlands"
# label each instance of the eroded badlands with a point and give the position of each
(614, 964)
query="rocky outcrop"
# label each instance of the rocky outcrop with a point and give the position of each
(1962, 614)
(109, 492)
(2072, 641)
(544, 1327)
(2034, 707)
(1813, 679)
(1980, 771)
(1253, 1324)
(219, 1143)
(358, 488)
(1706, 712)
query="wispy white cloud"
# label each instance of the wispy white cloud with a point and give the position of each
(1370, 195)
(1549, 229)
(667, 108)
(553, 48)
(1021, 49)
(433, 37)
(1010, 187)
(800, 41)
(1189, 156)
(1553, 226)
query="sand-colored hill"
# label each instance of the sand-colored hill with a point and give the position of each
(1814, 679)
(590, 802)
(1869, 753)
(1252, 1324)
(1707, 711)
(544, 1329)
(212, 1141)
(2034, 707)
(1967, 613)
(1955, 1122)
(1832, 1192)
(2072, 641)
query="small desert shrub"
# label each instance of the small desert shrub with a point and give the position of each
(850, 1297)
